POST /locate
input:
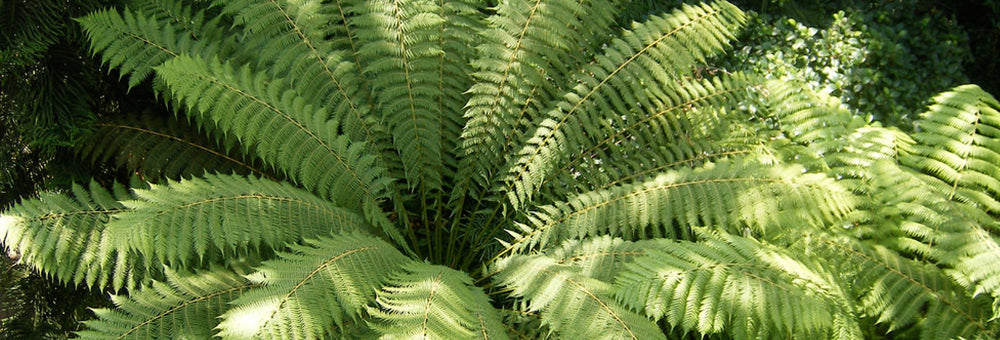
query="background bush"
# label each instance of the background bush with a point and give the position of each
(883, 58)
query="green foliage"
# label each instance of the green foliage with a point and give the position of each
(883, 59)
(734, 283)
(527, 170)
(429, 301)
(185, 306)
(152, 147)
(577, 305)
(305, 294)
(62, 236)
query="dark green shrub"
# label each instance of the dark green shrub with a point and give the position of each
(883, 59)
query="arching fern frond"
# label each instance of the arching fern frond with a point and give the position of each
(638, 70)
(305, 294)
(289, 42)
(614, 147)
(728, 283)
(936, 227)
(191, 222)
(426, 301)
(156, 147)
(901, 292)
(61, 236)
(729, 194)
(573, 305)
(958, 143)
(531, 45)
(601, 257)
(135, 43)
(805, 116)
(404, 50)
(285, 130)
(185, 306)
(189, 17)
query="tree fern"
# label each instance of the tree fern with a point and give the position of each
(290, 36)
(898, 291)
(957, 143)
(299, 139)
(528, 170)
(525, 40)
(136, 43)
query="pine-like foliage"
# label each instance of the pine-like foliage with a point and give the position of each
(441, 170)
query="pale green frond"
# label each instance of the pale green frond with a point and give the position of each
(185, 306)
(739, 196)
(902, 292)
(190, 222)
(935, 227)
(402, 44)
(731, 284)
(459, 32)
(286, 132)
(641, 69)
(613, 147)
(959, 142)
(60, 235)
(135, 43)
(288, 40)
(571, 304)
(155, 147)
(805, 116)
(862, 149)
(426, 301)
(305, 294)
(601, 257)
(525, 57)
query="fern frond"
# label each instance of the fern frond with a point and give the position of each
(614, 148)
(460, 31)
(305, 294)
(135, 43)
(288, 39)
(185, 306)
(188, 17)
(573, 305)
(734, 284)
(155, 147)
(601, 257)
(60, 235)
(902, 292)
(286, 132)
(404, 51)
(958, 143)
(732, 195)
(938, 228)
(639, 70)
(525, 56)
(425, 301)
(191, 222)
